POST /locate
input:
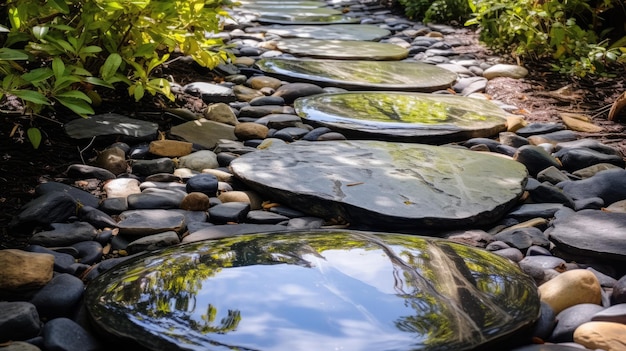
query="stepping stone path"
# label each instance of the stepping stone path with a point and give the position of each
(361, 75)
(250, 139)
(425, 118)
(322, 286)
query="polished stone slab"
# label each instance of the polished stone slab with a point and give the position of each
(385, 185)
(365, 32)
(399, 116)
(360, 74)
(342, 49)
(329, 290)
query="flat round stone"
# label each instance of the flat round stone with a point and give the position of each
(336, 290)
(273, 4)
(385, 185)
(342, 49)
(307, 20)
(110, 124)
(397, 116)
(359, 74)
(366, 32)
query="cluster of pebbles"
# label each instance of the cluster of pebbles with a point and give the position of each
(566, 232)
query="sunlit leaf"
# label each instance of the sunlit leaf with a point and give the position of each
(78, 106)
(34, 136)
(60, 5)
(31, 96)
(110, 66)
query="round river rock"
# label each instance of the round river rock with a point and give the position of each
(337, 290)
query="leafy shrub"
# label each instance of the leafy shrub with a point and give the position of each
(562, 30)
(439, 11)
(55, 51)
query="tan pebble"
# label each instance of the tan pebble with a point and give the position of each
(606, 336)
(22, 269)
(195, 201)
(220, 175)
(250, 197)
(535, 222)
(221, 113)
(245, 61)
(170, 148)
(571, 288)
(434, 34)
(259, 82)
(513, 123)
(619, 206)
(250, 130)
(112, 159)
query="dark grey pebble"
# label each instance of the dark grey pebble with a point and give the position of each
(149, 167)
(546, 322)
(511, 253)
(606, 281)
(156, 199)
(574, 159)
(549, 193)
(571, 318)
(615, 314)
(538, 251)
(590, 203)
(265, 217)
(609, 185)
(539, 128)
(46, 209)
(153, 242)
(229, 212)
(18, 321)
(89, 252)
(267, 100)
(530, 211)
(59, 298)
(497, 245)
(202, 183)
(96, 217)
(114, 205)
(619, 291)
(292, 91)
(287, 211)
(535, 159)
(523, 238)
(78, 171)
(63, 334)
(64, 234)
(543, 262)
(552, 175)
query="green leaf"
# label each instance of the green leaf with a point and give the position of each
(110, 66)
(7, 54)
(58, 67)
(78, 106)
(137, 91)
(74, 94)
(65, 81)
(31, 96)
(34, 135)
(38, 75)
(100, 82)
(60, 5)
(92, 49)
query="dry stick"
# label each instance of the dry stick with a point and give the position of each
(85, 149)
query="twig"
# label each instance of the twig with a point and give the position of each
(80, 152)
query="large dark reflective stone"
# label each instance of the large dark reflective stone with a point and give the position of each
(398, 116)
(330, 32)
(369, 75)
(338, 290)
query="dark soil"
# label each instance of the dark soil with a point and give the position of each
(22, 167)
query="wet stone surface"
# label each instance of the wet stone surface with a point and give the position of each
(338, 289)
(368, 75)
(412, 117)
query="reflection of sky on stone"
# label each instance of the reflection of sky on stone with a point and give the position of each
(346, 303)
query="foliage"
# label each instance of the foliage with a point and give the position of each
(565, 31)
(57, 51)
(440, 11)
